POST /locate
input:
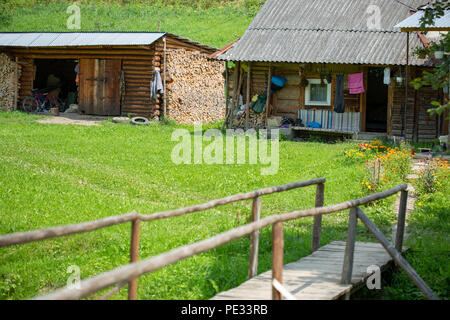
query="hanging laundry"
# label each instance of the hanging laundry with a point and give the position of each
(339, 104)
(156, 85)
(356, 83)
(387, 75)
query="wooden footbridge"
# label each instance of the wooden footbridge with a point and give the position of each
(330, 272)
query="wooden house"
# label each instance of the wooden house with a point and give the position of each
(114, 68)
(310, 42)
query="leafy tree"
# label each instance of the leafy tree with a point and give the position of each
(439, 77)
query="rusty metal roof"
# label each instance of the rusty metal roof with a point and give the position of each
(323, 31)
(79, 39)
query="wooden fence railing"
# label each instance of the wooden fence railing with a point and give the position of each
(130, 272)
(135, 219)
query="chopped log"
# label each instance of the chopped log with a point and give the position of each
(10, 71)
(196, 90)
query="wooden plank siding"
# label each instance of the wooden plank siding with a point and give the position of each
(426, 126)
(291, 98)
(138, 64)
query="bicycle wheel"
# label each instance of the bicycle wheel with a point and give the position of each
(29, 104)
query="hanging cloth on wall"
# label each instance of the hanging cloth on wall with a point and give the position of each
(156, 85)
(356, 83)
(339, 104)
(387, 75)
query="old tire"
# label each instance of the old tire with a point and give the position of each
(121, 120)
(140, 121)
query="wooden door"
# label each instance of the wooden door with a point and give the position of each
(99, 92)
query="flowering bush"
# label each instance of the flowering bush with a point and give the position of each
(432, 177)
(383, 165)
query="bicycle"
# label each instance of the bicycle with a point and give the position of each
(41, 102)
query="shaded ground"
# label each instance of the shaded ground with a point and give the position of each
(72, 118)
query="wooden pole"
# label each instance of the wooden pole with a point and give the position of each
(347, 267)
(16, 83)
(405, 110)
(165, 82)
(227, 89)
(317, 228)
(247, 109)
(234, 103)
(269, 94)
(134, 257)
(254, 239)
(401, 221)
(396, 255)
(277, 257)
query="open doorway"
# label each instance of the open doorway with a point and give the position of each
(377, 101)
(57, 76)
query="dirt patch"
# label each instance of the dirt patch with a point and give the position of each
(83, 120)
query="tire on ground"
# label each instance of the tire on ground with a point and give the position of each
(140, 121)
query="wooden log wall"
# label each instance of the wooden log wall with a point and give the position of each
(26, 79)
(290, 99)
(420, 126)
(137, 100)
(138, 65)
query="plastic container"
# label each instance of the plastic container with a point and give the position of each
(278, 81)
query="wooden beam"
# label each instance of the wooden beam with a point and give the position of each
(54, 232)
(317, 228)
(396, 255)
(269, 85)
(347, 267)
(401, 220)
(247, 108)
(277, 257)
(254, 239)
(134, 257)
(363, 100)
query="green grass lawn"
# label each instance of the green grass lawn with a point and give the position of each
(60, 174)
(214, 25)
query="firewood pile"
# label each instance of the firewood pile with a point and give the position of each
(254, 121)
(8, 84)
(195, 87)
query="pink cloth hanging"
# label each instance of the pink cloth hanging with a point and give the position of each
(356, 83)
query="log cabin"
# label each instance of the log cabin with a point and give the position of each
(312, 43)
(114, 68)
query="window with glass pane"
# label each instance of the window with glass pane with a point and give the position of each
(318, 93)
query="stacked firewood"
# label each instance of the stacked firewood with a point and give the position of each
(254, 121)
(195, 87)
(9, 84)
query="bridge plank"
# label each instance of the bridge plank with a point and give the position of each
(315, 277)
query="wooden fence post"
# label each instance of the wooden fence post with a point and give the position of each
(317, 229)
(277, 257)
(134, 256)
(401, 221)
(254, 239)
(347, 267)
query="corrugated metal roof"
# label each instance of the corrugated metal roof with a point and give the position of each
(66, 39)
(414, 21)
(323, 31)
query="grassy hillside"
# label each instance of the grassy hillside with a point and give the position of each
(55, 175)
(212, 22)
